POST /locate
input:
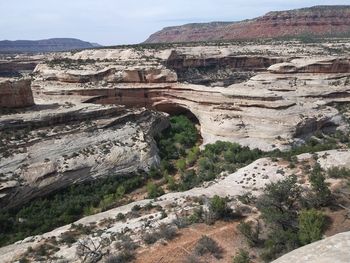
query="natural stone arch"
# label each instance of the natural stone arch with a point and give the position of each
(177, 109)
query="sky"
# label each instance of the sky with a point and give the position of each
(114, 22)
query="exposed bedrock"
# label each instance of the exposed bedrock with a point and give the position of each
(273, 109)
(335, 65)
(111, 141)
(331, 249)
(213, 69)
(110, 74)
(264, 170)
(15, 93)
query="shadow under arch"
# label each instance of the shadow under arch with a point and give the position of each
(174, 109)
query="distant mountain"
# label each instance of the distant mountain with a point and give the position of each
(317, 21)
(47, 45)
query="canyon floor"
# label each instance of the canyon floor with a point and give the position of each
(75, 117)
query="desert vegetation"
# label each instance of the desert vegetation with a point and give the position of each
(291, 217)
(66, 206)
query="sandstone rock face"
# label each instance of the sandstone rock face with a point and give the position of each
(281, 100)
(318, 20)
(95, 108)
(336, 65)
(332, 249)
(15, 93)
(72, 145)
(108, 74)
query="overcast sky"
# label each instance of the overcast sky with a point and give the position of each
(111, 22)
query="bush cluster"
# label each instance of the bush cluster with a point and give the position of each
(64, 207)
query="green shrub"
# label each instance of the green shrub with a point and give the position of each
(64, 207)
(278, 243)
(279, 207)
(189, 179)
(167, 232)
(336, 172)
(208, 245)
(120, 217)
(172, 186)
(311, 226)
(280, 202)
(242, 256)
(249, 232)
(192, 156)
(154, 191)
(247, 198)
(322, 195)
(120, 191)
(181, 165)
(197, 215)
(181, 135)
(150, 237)
(219, 208)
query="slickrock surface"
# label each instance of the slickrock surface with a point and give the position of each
(72, 144)
(318, 21)
(251, 178)
(332, 249)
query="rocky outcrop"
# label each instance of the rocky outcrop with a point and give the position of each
(274, 107)
(332, 249)
(81, 120)
(318, 21)
(108, 74)
(316, 66)
(15, 93)
(64, 146)
(213, 68)
(251, 178)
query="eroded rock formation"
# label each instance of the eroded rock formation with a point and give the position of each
(16, 93)
(72, 144)
(282, 101)
(80, 129)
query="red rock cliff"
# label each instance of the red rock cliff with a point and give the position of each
(318, 21)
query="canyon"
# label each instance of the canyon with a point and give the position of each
(85, 115)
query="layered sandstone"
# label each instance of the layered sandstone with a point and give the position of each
(16, 93)
(317, 21)
(80, 121)
(281, 101)
(71, 144)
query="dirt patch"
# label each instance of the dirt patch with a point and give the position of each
(340, 222)
(180, 248)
